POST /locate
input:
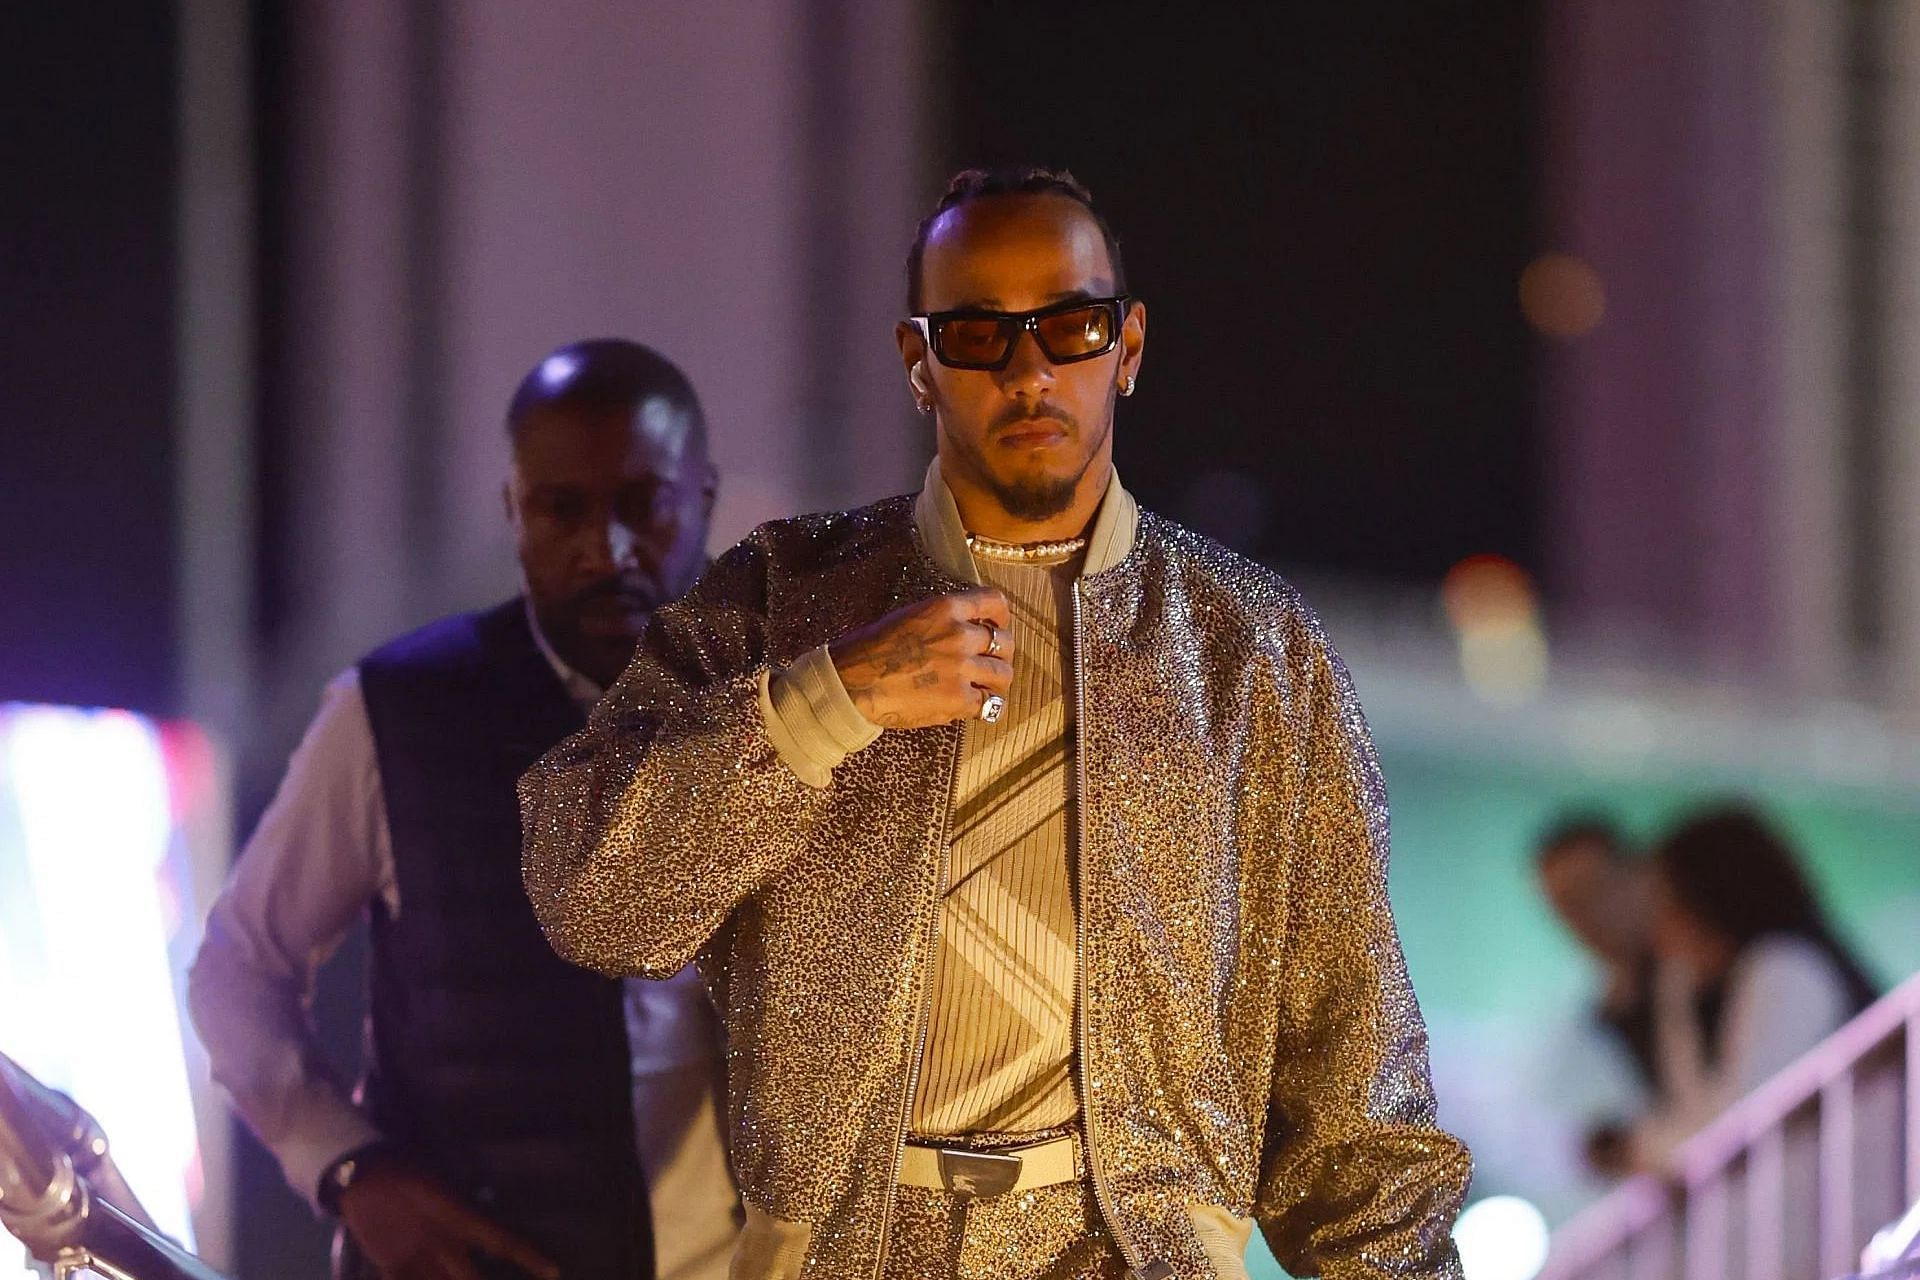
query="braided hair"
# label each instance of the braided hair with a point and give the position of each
(1008, 180)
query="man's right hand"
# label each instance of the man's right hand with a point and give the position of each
(411, 1228)
(926, 663)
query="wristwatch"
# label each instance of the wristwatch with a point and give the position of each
(346, 1171)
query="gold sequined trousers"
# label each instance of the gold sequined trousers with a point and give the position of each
(1047, 1233)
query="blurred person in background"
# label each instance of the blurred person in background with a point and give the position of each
(517, 1114)
(1038, 844)
(1734, 914)
(1603, 894)
(1602, 891)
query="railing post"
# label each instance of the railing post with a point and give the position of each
(1913, 1104)
(1704, 1216)
(1766, 1206)
(1652, 1250)
(1839, 1251)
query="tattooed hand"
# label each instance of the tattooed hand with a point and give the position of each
(927, 663)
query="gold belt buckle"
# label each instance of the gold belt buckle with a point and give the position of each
(977, 1174)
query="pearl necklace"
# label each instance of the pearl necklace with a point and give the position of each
(1024, 552)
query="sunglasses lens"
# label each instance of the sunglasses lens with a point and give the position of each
(1075, 334)
(982, 341)
(964, 341)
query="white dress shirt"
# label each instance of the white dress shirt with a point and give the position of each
(321, 853)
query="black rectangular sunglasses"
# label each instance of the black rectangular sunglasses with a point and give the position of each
(1066, 332)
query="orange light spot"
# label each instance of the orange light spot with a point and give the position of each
(1483, 592)
(1562, 296)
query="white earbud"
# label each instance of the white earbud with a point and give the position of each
(918, 377)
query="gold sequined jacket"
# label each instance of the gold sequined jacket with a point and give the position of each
(1247, 1039)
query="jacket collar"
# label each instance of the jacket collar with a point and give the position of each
(938, 520)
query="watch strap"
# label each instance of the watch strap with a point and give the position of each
(345, 1171)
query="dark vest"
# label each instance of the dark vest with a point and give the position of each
(493, 1062)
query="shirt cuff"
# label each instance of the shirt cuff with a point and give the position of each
(328, 1134)
(810, 718)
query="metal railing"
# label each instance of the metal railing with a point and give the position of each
(1788, 1184)
(62, 1197)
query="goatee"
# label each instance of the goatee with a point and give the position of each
(1036, 500)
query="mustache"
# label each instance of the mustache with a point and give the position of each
(1045, 411)
(626, 589)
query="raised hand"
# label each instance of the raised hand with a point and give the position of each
(927, 663)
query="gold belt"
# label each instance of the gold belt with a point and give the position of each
(977, 1174)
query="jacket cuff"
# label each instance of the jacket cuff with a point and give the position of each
(810, 719)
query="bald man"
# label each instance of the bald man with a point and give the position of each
(517, 1114)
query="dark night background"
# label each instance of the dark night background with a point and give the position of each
(1343, 333)
(1344, 330)
(86, 367)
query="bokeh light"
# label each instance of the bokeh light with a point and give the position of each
(1562, 296)
(98, 894)
(1495, 611)
(1501, 1238)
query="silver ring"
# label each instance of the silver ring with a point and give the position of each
(993, 639)
(992, 708)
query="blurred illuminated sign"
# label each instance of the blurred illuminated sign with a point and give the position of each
(112, 832)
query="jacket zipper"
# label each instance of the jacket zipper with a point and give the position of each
(923, 1020)
(1094, 1177)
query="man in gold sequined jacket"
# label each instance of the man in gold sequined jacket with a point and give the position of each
(1033, 847)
